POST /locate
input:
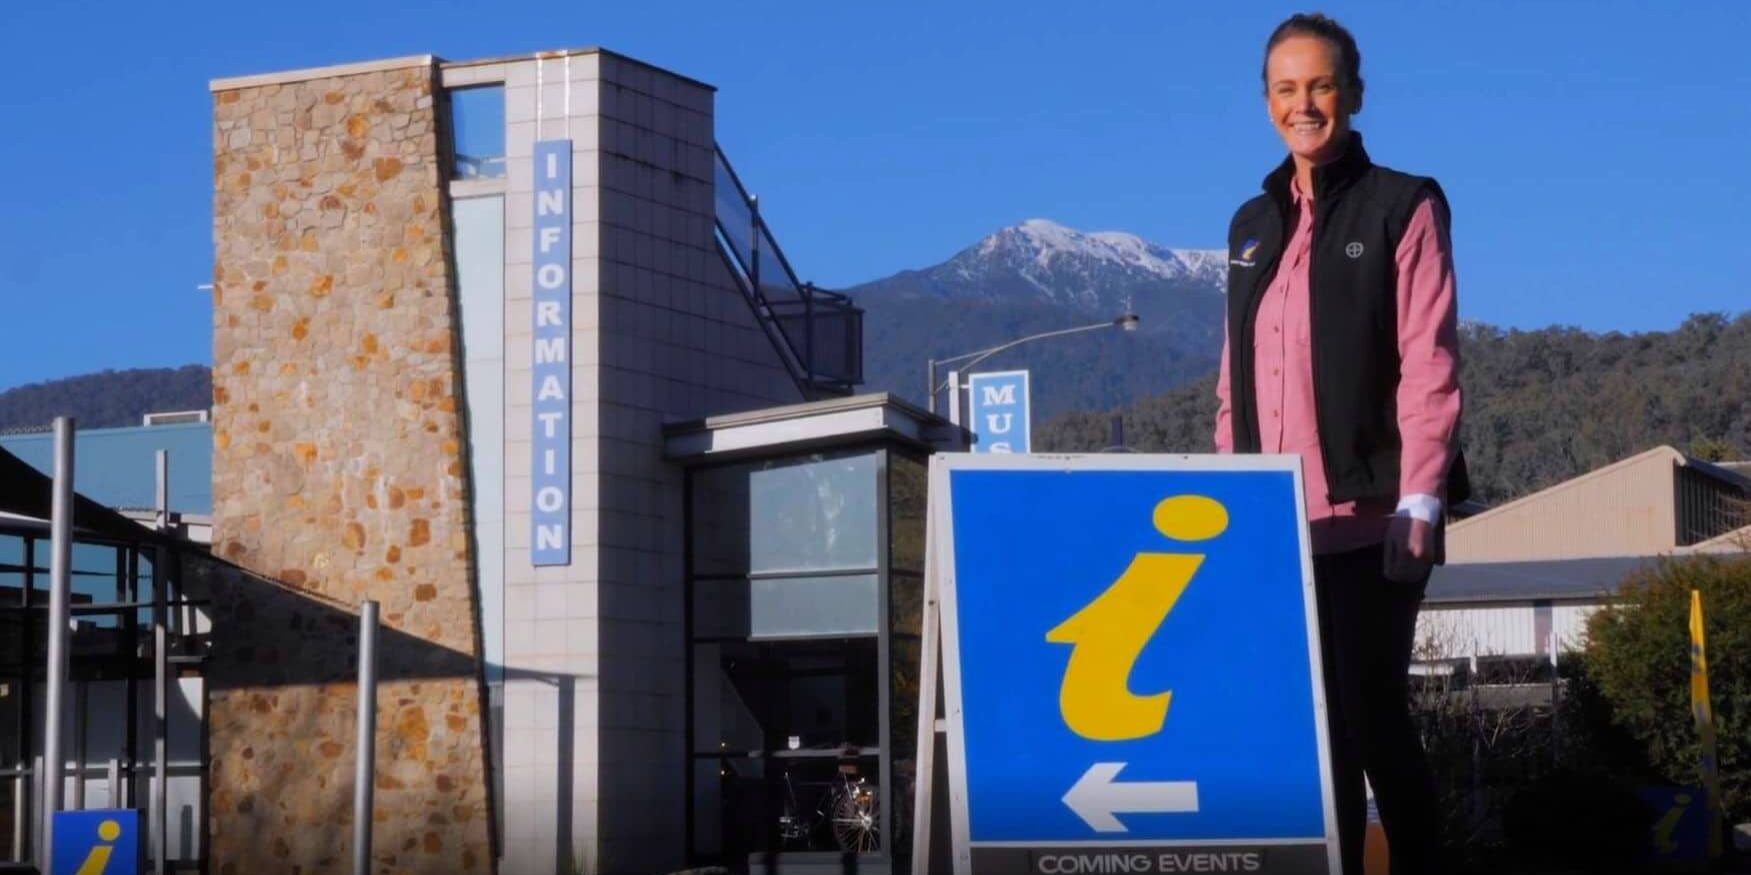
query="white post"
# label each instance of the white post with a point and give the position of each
(60, 585)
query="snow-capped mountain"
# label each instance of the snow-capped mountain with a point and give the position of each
(1041, 276)
(1105, 271)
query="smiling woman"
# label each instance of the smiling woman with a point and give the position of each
(1342, 348)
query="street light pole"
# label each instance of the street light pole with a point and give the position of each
(932, 386)
(1127, 322)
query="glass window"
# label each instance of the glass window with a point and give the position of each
(789, 680)
(787, 607)
(792, 697)
(908, 485)
(12, 841)
(477, 131)
(903, 709)
(816, 513)
(906, 598)
(11, 550)
(785, 758)
(11, 589)
(813, 514)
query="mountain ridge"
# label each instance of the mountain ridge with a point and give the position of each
(1038, 276)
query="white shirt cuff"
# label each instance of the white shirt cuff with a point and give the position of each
(1420, 507)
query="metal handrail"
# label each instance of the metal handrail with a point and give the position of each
(800, 357)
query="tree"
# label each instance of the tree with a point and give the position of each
(1540, 406)
(1638, 652)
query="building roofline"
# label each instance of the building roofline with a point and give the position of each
(561, 53)
(305, 74)
(83, 433)
(1663, 450)
(796, 427)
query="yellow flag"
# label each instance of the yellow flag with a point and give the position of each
(1705, 722)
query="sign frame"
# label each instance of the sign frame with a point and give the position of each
(942, 642)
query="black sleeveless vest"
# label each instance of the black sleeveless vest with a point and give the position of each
(1361, 211)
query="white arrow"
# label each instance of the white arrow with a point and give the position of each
(1096, 797)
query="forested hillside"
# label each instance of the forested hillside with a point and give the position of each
(1541, 406)
(107, 398)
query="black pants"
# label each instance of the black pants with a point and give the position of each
(1366, 628)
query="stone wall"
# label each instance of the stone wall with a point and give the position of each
(339, 476)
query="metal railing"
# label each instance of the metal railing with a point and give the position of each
(818, 333)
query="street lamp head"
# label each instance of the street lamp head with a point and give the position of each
(1128, 322)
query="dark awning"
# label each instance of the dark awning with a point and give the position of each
(27, 492)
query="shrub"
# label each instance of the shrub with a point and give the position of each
(1638, 652)
(1580, 819)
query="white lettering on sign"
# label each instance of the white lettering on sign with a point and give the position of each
(999, 423)
(1126, 862)
(547, 315)
(1093, 864)
(1206, 861)
(550, 276)
(998, 394)
(550, 537)
(550, 350)
(548, 237)
(550, 423)
(550, 353)
(549, 203)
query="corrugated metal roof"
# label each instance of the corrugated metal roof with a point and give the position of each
(1555, 579)
(115, 467)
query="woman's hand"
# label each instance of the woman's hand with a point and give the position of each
(1410, 550)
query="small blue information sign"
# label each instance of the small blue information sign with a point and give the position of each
(1000, 412)
(1131, 663)
(96, 842)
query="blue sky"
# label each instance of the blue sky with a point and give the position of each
(1594, 152)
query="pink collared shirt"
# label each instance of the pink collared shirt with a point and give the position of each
(1428, 388)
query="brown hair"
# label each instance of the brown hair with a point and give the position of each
(1335, 35)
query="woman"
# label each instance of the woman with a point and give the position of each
(1342, 348)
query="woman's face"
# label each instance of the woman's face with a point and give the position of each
(1309, 102)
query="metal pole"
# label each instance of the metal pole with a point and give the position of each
(367, 738)
(932, 395)
(60, 584)
(114, 774)
(158, 813)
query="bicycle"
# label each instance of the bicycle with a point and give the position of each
(849, 810)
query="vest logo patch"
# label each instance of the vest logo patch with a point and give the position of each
(1353, 250)
(1246, 252)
